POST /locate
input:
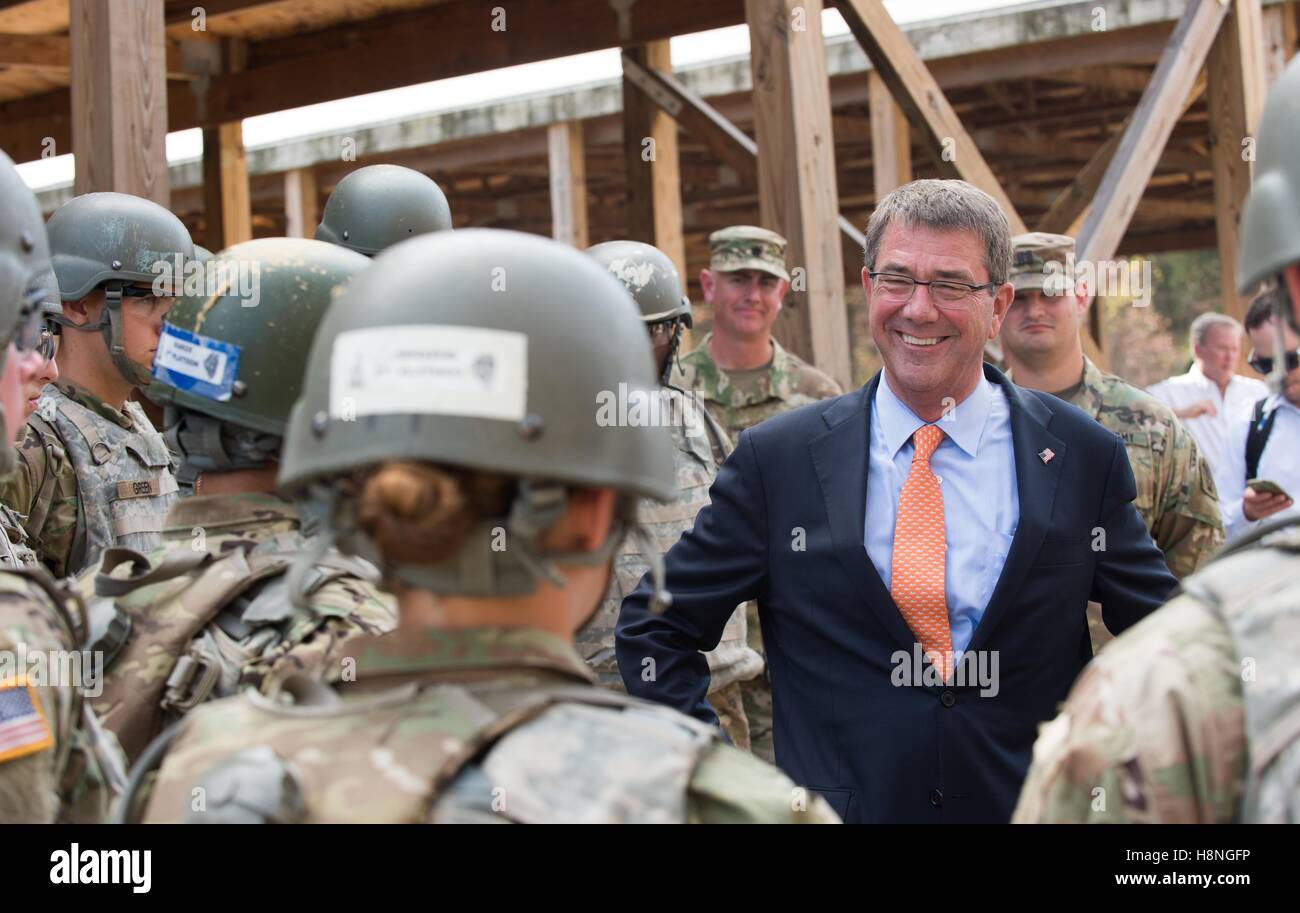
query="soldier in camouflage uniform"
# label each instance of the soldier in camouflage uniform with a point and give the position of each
(745, 376)
(377, 206)
(699, 448)
(1040, 342)
(56, 763)
(1189, 717)
(95, 473)
(208, 613)
(454, 438)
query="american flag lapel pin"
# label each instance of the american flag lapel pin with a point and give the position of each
(1046, 455)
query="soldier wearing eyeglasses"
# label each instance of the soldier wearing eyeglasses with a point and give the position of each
(1176, 497)
(93, 472)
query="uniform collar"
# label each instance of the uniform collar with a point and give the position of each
(84, 397)
(963, 424)
(216, 512)
(433, 650)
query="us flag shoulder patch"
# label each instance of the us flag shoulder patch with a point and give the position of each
(23, 729)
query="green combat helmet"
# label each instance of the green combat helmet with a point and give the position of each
(119, 242)
(24, 264)
(230, 364)
(652, 281)
(375, 207)
(501, 371)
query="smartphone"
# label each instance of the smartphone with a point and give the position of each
(1264, 486)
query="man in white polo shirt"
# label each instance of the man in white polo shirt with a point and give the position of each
(1211, 398)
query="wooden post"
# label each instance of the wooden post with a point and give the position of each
(1280, 38)
(119, 97)
(796, 176)
(1237, 80)
(301, 202)
(654, 196)
(568, 172)
(891, 138)
(227, 206)
(917, 92)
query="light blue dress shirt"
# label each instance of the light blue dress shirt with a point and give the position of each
(976, 467)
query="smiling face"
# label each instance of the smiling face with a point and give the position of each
(745, 302)
(932, 353)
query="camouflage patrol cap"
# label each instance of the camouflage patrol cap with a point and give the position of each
(375, 207)
(748, 247)
(649, 277)
(1031, 254)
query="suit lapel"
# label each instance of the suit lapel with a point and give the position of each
(840, 458)
(1036, 483)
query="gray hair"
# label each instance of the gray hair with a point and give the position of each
(945, 206)
(1203, 324)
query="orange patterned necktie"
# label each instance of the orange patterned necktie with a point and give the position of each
(916, 580)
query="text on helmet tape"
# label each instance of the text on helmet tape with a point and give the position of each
(195, 363)
(429, 370)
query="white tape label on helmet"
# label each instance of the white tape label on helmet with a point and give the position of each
(429, 370)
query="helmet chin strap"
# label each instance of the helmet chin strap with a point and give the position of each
(8, 454)
(111, 325)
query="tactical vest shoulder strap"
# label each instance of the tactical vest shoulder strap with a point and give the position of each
(1261, 426)
(53, 464)
(100, 451)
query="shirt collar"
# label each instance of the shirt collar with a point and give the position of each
(430, 650)
(964, 424)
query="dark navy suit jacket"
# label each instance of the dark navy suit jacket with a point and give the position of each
(877, 751)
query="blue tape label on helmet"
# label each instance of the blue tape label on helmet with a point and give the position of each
(196, 364)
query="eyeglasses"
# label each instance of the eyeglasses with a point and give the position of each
(1264, 363)
(664, 329)
(945, 293)
(48, 346)
(26, 335)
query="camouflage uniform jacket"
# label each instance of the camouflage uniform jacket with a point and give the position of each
(477, 725)
(1176, 495)
(15, 550)
(133, 486)
(1184, 718)
(211, 613)
(64, 766)
(699, 448)
(789, 381)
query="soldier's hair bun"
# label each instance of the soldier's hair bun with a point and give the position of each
(418, 513)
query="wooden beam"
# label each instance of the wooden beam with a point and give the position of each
(228, 210)
(1066, 211)
(568, 183)
(119, 97)
(654, 195)
(796, 176)
(301, 203)
(916, 91)
(1144, 139)
(36, 53)
(1280, 38)
(1237, 81)
(891, 139)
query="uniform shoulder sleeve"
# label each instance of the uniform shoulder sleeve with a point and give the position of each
(1153, 731)
(731, 787)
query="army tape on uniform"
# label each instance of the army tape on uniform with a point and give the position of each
(430, 370)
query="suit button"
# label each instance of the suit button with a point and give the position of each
(936, 798)
(947, 697)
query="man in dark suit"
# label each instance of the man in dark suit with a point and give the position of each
(922, 549)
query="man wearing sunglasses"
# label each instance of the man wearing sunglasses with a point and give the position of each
(94, 473)
(1267, 444)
